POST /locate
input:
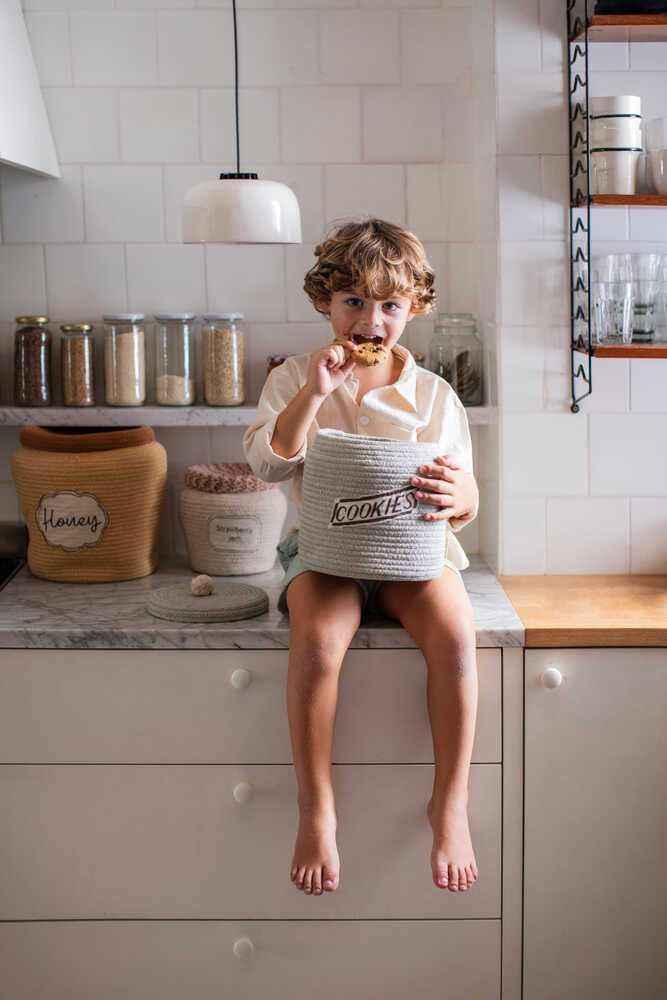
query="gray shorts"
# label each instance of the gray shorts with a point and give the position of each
(288, 553)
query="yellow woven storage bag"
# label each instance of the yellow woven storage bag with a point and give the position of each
(91, 501)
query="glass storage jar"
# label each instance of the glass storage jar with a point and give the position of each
(32, 362)
(77, 364)
(124, 359)
(223, 359)
(174, 359)
(456, 355)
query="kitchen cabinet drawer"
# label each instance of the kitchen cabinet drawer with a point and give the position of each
(283, 960)
(184, 841)
(106, 706)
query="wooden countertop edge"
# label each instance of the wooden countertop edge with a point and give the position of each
(563, 638)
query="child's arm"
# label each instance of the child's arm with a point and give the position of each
(274, 465)
(449, 483)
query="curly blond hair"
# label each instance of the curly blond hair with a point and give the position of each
(375, 258)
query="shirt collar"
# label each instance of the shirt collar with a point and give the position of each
(406, 383)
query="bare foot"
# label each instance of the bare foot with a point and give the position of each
(452, 858)
(315, 864)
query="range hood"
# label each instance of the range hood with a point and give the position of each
(25, 134)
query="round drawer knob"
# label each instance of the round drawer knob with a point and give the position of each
(243, 947)
(552, 677)
(241, 678)
(243, 792)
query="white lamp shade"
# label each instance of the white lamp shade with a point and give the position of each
(241, 211)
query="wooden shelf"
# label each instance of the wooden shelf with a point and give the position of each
(638, 200)
(627, 350)
(161, 416)
(626, 28)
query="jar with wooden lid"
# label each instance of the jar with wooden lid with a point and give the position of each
(32, 362)
(77, 355)
(124, 359)
(174, 359)
(223, 359)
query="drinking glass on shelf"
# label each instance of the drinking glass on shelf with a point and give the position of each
(646, 269)
(616, 300)
(613, 267)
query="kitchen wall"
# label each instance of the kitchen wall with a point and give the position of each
(585, 492)
(383, 107)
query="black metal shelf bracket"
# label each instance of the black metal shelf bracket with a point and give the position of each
(580, 204)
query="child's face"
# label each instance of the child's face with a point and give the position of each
(354, 317)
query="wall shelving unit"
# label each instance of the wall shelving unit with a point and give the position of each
(583, 29)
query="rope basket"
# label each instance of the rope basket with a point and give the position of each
(231, 519)
(91, 502)
(359, 515)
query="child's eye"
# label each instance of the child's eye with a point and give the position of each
(393, 304)
(348, 301)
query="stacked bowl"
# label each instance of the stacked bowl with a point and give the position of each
(616, 144)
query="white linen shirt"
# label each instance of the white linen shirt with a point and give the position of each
(419, 406)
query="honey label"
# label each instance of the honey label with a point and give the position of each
(71, 521)
(376, 507)
(234, 534)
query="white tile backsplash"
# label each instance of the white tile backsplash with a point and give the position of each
(333, 130)
(123, 203)
(113, 48)
(544, 454)
(259, 126)
(165, 278)
(520, 198)
(373, 190)
(159, 125)
(524, 535)
(648, 385)
(42, 209)
(49, 41)
(625, 454)
(276, 48)
(22, 280)
(532, 113)
(402, 124)
(588, 535)
(84, 122)
(247, 279)
(191, 50)
(436, 46)
(648, 543)
(359, 46)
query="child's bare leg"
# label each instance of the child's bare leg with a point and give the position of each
(438, 616)
(325, 612)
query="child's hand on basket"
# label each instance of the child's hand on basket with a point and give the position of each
(452, 491)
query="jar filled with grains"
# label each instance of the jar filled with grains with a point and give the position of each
(76, 364)
(32, 362)
(124, 359)
(223, 359)
(174, 359)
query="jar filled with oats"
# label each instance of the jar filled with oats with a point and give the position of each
(124, 359)
(223, 356)
(77, 364)
(174, 359)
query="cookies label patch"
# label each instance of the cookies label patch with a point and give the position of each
(70, 520)
(377, 507)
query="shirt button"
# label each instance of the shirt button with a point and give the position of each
(364, 420)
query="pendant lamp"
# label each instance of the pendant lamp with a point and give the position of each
(239, 208)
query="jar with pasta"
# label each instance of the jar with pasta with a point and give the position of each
(77, 364)
(223, 359)
(174, 359)
(124, 359)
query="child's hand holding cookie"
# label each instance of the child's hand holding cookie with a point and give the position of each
(452, 491)
(329, 367)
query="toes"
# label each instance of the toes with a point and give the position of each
(317, 882)
(453, 876)
(463, 880)
(298, 881)
(441, 877)
(469, 874)
(329, 879)
(308, 880)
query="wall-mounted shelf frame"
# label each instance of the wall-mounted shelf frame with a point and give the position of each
(582, 28)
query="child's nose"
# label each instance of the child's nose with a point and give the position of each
(373, 314)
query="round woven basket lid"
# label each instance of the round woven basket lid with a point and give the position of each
(225, 477)
(229, 602)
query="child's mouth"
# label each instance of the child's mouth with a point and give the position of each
(359, 338)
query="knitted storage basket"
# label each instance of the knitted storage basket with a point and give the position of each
(91, 501)
(359, 515)
(231, 519)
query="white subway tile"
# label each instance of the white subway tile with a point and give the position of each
(113, 48)
(160, 4)
(544, 454)
(460, 279)
(440, 200)
(247, 279)
(557, 379)
(159, 125)
(359, 46)
(521, 368)
(648, 524)
(65, 4)
(611, 379)
(22, 283)
(84, 122)
(412, 4)
(436, 46)
(123, 203)
(648, 385)
(520, 200)
(177, 181)
(609, 223)
(300, 309)
(195, 48)
(624, 454)
(648, 224)
(610, 56)
(524, 534)
(555, 197)
(332, 115)
(315, 3)
(461, 142)
(648, 56)
(49, 42)
(587, 535)
(518, 39)
(365, 190)
(532, 113)
(534, 287)
(259, 126)
(85, 281)
(307, 182)
(165, 279)
(42, 209)
(402, 124)
(285, 338)
(277, 48)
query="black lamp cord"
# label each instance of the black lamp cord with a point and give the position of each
(236, 91)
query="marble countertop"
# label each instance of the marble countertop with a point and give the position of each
(41, 614)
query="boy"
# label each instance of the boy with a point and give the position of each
(370, 279)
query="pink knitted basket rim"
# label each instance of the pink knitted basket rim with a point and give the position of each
(225, 477)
